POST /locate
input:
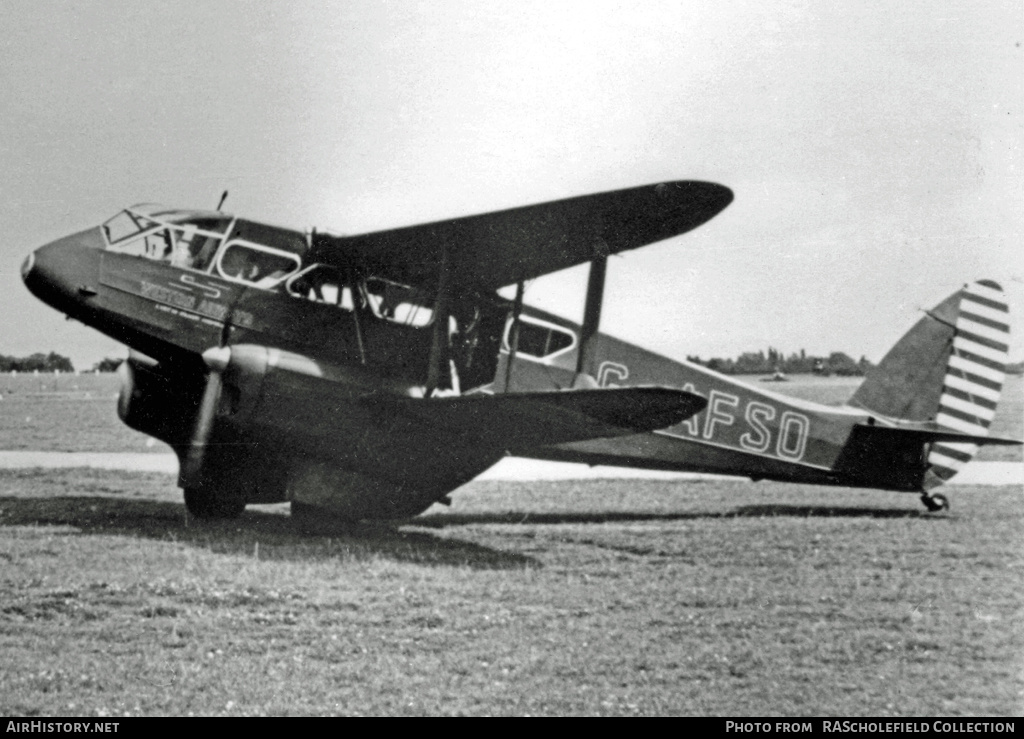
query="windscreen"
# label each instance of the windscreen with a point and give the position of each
(180, 238)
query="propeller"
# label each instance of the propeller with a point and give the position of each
(216, 359)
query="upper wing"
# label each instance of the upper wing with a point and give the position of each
(492, 250)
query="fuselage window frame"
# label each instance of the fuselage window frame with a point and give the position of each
(416, 312)
(265, 282)
(343, 300)
(551, 328)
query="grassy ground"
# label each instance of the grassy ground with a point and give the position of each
(595, 597)
(66, 413)
(590, 597)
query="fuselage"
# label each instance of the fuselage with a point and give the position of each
(745, 430)
(171, 284)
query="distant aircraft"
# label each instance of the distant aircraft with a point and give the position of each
(368, 376)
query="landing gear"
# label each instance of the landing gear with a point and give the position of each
(203, 503)
(936, 502)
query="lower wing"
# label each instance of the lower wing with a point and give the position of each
(522, 420)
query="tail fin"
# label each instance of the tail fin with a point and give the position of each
(948, 369)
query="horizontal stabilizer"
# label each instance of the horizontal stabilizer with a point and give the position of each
(938, 434)
(524, 420)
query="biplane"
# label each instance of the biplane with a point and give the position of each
(369, 376)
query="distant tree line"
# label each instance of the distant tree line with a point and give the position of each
(748, 363)
(755, 363)
(36, 362)
(107, 365)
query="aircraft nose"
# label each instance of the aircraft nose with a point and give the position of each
(26, 266)
(63, 271)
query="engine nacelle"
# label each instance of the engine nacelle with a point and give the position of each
(151, 403)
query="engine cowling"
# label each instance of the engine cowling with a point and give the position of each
(151, 403)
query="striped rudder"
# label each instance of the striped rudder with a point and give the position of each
(975, 373)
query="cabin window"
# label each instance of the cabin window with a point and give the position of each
(256, 265)
(398, 303)
(321, 284)
(191, 249)
(540, 340)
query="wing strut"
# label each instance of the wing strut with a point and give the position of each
(586, 359)
(353, 287)
(513, 335)
(439, 339)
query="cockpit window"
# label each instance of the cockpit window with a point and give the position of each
(187, 239)
(256, 265)
(398, 303)
(125, 225)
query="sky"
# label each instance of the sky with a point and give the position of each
(874, 148)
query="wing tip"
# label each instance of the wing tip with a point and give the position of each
(711, 192)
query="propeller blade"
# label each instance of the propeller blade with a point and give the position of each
(216, 361)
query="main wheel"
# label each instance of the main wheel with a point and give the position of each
(205, 504)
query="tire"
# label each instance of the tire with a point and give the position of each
(206, 505)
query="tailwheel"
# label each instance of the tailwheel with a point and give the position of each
(936, 502)
(203, 503)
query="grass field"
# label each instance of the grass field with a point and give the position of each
(597, 597)
(66, 413)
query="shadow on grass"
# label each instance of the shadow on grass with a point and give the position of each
(442, 520)
(275, 534)
(821, 511)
